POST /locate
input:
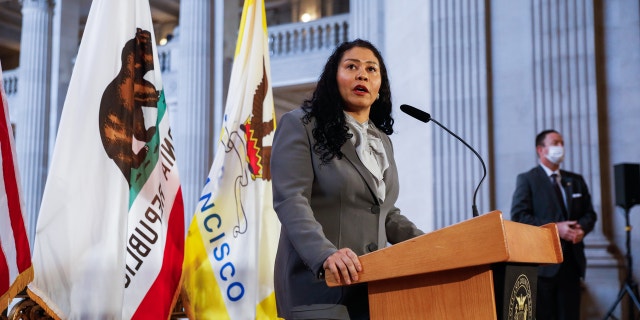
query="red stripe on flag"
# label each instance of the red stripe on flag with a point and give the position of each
(4, 273)
(160, 297)
(23, 252)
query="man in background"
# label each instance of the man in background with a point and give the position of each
(546, 194)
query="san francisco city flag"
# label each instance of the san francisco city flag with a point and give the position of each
(15, 255)
(110, 235)
(232, 240)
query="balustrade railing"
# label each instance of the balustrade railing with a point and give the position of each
(285, 40)
(304, 37)
(10, 82)
(165, 56)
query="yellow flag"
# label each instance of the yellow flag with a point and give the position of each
(232, 240)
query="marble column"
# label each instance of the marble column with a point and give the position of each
(566, 98)
(564, 85)
(459, 101)
(621, 20)
(32, 125)
(65, 42)
(545, 75)
(193, 129)
(367, 21)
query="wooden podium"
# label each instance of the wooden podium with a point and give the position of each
(450, 273)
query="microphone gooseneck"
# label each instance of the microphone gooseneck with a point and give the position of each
(425, 117)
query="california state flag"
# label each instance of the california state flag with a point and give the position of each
(231, 243)
(15, 254)
(110, 234)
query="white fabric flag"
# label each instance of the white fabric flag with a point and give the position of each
(110, 234)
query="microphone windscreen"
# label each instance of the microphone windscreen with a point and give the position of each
(415, 112)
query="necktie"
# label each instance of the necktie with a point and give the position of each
(556, 188)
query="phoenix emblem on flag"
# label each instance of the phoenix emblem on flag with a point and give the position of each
(249, 146)
(255, 129)
(121, 116)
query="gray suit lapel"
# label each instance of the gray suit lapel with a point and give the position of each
(349, 152)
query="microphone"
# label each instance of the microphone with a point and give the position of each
(425, 117)
(416, 113)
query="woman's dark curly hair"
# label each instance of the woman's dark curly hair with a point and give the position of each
(326, 105)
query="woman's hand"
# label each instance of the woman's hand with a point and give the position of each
(343, 264)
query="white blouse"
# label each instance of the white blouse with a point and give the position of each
(370, 150)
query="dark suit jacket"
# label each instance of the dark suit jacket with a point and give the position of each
(534, 202)
(324, 207)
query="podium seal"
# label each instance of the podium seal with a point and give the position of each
(520, 303)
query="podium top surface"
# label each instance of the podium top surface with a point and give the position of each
(483, 240)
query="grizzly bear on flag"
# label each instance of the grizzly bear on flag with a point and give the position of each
(121, 116)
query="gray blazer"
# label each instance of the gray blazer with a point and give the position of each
(324, 207)
(535, 203)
